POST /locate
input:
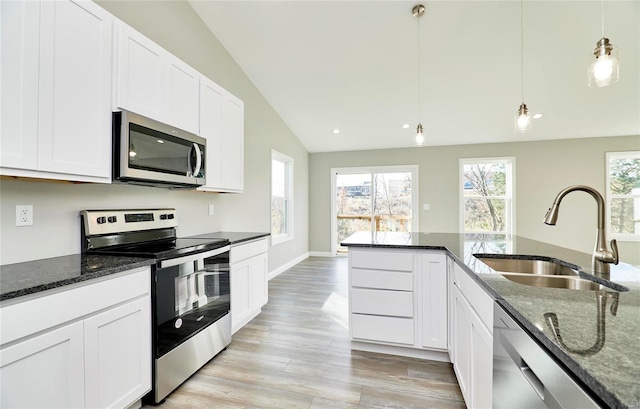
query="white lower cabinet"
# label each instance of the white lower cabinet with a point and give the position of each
(472, 343)
(117, 366)
(85, 347)
(249, 288)
(398, 297)
(46, 371)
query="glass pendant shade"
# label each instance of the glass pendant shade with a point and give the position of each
(419, 136)
(605, 68)
(523, 120)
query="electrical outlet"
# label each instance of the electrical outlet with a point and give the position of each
(24, 215)
(211, 210)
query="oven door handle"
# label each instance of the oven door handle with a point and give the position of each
(193, 257)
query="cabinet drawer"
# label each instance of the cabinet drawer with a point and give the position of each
(387, 280)
(385, 329)
(247, 250)
(382, 260)
(480, 301)
(382, 302)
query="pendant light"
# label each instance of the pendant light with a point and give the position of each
(523, 119)
(417, 11)
(604, 70)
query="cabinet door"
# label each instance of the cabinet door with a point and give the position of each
(259, 283)
(19, 55)
(240, 293)
(182, 98)
(118, 355)
(461, 342)
(211, 96)
(140, 74)
(233, 143)
(46, 371)
(481, 364)
(75, 89)
(433, 297)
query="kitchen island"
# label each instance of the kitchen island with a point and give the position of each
(610, 373)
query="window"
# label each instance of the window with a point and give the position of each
(486, 195)
(623, 195)
(281, 198)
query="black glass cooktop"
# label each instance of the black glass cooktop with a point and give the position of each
(166, 249)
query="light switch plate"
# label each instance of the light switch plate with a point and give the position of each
(426, 206)
(211, 210)
(24, 215)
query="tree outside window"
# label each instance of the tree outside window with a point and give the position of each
(487, 195)
(623, 194)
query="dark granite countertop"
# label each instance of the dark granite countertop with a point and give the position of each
(31, 277)
(609, 366)
(233, 236)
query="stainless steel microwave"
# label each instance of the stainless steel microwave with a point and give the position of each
(148, 152)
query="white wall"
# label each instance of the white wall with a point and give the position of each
(176, 27)
(543, 168)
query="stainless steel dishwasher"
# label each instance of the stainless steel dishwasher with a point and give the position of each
(525, 376)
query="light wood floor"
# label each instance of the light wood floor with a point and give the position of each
(296, 354)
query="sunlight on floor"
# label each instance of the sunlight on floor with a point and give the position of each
(337, 308)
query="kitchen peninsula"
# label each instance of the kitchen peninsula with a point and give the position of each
(609, 332)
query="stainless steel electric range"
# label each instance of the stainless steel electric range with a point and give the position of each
(190, 287)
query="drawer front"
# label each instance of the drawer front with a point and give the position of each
(382, 260)
(245, 251)
(387, 280)
(26, 318)
(384, 329)
(382, 302)
(481, 302)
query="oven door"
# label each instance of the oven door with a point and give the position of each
(150, 151)
(191, 293)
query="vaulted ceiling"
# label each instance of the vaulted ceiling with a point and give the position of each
(353, 66)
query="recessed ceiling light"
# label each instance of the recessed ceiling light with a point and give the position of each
(406, 126)
(538, 116)
(336, 131)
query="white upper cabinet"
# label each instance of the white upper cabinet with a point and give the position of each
(20, 43)
(56, 59)
(140, 77)
(182, 98)
(233, 143)
(152, 82)
(222, 124)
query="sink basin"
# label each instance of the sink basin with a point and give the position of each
(566, 282)
(536, 267)
(540, 273)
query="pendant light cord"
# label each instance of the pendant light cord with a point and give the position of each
(419, 71)
(522, 49)
(602, 18)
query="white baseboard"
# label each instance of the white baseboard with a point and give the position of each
(320, 254)
(287, 266)
(441, 356)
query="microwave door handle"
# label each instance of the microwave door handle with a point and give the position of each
(196, 170)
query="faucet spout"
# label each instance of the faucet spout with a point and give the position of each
(602, 257)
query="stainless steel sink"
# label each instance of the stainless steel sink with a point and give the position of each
(537, 267)
(540, 273)
(566, 282)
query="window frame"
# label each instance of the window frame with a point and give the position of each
(510, 196)
(609, 156)
(288, 197)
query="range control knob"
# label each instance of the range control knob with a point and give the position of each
(163, 217)
(112, 219)
(170, 216)
(101, 220)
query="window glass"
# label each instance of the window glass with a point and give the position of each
(281, 198)
(486, 195)
(623, 194)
